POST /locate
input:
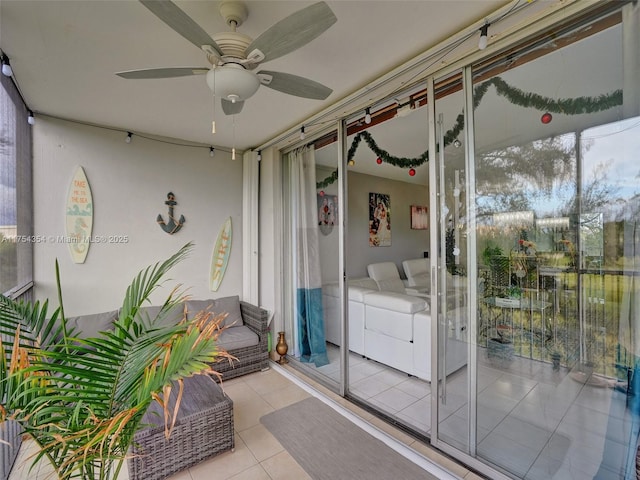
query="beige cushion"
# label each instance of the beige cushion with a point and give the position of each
(229, 305)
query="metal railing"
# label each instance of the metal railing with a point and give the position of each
(555, 318)
(10, 431)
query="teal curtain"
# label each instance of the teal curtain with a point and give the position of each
(308, 309)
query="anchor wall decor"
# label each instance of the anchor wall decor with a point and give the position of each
(171, 226)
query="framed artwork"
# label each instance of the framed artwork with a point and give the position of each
(379, 220)
(419, 217)
(327, 213)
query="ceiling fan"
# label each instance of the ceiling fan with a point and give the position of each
(233, 56)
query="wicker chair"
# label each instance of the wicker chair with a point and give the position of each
(249, 359)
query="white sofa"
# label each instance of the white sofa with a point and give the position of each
(388, 325)
(359, 288)
(417, 272)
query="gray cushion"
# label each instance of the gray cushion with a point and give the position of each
(171, 317)
(89, 325)
(237, 337)
(229, 305)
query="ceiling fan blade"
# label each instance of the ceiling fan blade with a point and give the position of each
(182, 23)
(293, 32)
(294, 85)
(231, 108)
(163, 72)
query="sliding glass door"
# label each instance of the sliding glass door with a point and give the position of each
(518, 352)
(538, 257)
(450, 320)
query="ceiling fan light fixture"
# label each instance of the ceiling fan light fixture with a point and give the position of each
(232, 82)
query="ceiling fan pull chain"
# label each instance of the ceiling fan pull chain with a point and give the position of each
(213, 120)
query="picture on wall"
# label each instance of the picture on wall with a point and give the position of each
(327, 209)
(327, 213)
(379, 220)
(419, 217)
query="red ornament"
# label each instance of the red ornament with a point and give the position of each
(379, 161)
(546, 118)
(322, 193)
(412, 172)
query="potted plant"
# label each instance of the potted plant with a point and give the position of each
(82, 399)
(556, 358)
(489, 252)
(554, 348)
(500, 348)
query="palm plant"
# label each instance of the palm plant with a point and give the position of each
(82, 399)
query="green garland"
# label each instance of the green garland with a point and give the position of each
(328, 181)
(569, 106)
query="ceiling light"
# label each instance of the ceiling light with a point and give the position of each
(31, 120)
(482, 43)
(404, 110)
(7, 71)
(367, 117)
(212, 151)
(232, 82)
(128, 139)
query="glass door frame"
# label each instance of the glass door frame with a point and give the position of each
(343, 383)
(438, 266)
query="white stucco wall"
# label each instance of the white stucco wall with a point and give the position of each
(129, 183)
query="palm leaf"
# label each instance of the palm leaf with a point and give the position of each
(82, 399)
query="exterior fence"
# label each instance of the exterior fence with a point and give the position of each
(568, 314)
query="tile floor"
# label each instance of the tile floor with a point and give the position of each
(535, 422)
(258, 455)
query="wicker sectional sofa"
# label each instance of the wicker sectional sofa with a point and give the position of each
(244, 336)
(251, 358)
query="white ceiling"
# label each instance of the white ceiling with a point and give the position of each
(64, 55)
(559, 73)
